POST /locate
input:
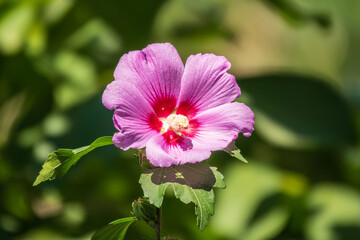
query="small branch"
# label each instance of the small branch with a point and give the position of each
(158, 224)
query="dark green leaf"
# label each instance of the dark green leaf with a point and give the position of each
(203, 199)
(298, 111)
(60, 161)
(295, 15)
(115, 230)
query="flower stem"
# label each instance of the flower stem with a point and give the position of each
(158, 224)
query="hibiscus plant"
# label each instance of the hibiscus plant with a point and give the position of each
(174, 116)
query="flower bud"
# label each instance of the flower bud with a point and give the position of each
(143, 210)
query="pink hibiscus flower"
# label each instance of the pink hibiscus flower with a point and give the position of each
(180, 114)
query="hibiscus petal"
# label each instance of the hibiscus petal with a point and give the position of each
(206, 84)
(156, 72)
(215, 128)
(164, 150)
(133, 117)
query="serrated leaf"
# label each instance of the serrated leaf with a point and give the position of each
(204, 202)
(219, 183)
(60, 161)
(115, 230)
(154, 188)
(235, 152)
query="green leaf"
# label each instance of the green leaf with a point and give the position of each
(235, 152)
(335, 212)
(60, 161)
(14, 26)
(192, 186)
(204, 202)
(115, 230)
(298, 111)
(197, 176)
(79, 73)
(253, 206)
(296, 16)
(219, 183)
(143, 210)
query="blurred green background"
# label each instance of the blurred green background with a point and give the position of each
(296, 61)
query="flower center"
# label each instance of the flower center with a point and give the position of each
(175, 122)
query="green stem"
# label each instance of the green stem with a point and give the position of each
(158, 224)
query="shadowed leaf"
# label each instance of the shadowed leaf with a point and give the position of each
(203, 199)
(196, 176)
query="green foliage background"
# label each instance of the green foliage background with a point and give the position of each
(296, 63)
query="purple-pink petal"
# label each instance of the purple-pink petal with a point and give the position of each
(206, 84)
(150, 84)
(133, 117)
(217, 127)
(162, 153)
(156, 72)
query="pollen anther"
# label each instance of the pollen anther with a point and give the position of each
(176, 123)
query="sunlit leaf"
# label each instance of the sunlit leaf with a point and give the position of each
(198, 24)
(9, 112)
(235, 152)
(60, 161)
(36, 39)
(189, 182)
(79, 73)
(115, 230)
(56, 9)
(251, 207)
(98, 37)
(14, 26)
(334, 213)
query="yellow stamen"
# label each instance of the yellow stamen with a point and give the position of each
(176, 123)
